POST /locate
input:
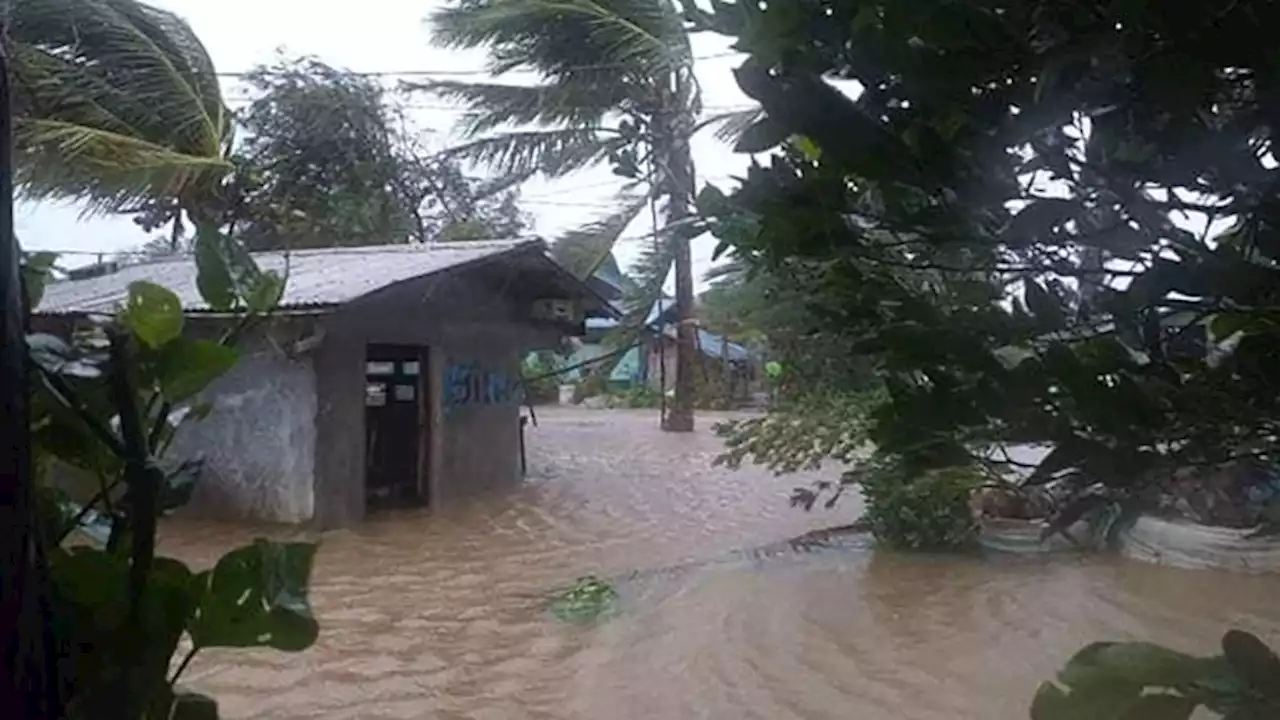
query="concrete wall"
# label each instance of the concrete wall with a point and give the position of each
(480, 434)
(470, 327)
(258, 442)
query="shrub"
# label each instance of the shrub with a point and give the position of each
(926, 511)
(540, 386)
(803, 433)
(590, 386)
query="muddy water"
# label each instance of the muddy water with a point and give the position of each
(443, 617)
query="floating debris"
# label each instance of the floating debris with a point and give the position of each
(588, 599)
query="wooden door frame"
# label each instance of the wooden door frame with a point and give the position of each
(426, 393)
(431, 448)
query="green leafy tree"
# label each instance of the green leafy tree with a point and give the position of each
(615, 85)
(334, 162)
(1044, 223)
(998, 221)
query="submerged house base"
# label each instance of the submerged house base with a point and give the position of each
(388, 376)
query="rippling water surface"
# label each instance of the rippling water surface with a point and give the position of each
(444, 616)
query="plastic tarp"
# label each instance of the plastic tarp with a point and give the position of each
(1187, 545)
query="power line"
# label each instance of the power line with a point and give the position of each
(248, 99)
(460, 73)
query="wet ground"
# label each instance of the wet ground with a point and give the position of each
(445, 616)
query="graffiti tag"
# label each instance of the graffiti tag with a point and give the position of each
(470, 384)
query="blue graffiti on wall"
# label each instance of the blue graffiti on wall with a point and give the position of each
(470, 384)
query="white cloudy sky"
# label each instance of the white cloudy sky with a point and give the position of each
(385, 36)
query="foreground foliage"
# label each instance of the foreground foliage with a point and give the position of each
(117, 106)
(1140, 681)
(107, 406)
(1050, 223)
(1042, 223)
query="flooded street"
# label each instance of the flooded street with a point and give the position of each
(444, 616)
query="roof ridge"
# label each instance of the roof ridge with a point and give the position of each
(411, 247)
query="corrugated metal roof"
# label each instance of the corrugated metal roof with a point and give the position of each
(320, 277)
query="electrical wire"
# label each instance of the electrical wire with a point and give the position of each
(462, 73)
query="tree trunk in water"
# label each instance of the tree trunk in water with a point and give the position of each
(673, 146)
(28, 678)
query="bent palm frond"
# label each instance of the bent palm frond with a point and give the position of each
(558, 37)
(493, 105)
(116, 102)
(552, 152)
(110, 171)
(582, 250)
(729, 126)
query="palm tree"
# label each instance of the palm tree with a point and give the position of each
(617, 85)
(116, 105)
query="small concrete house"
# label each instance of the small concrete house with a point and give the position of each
(388, 375)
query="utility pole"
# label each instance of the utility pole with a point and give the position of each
(679, 181)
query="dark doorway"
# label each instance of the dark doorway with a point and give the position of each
(395, 402)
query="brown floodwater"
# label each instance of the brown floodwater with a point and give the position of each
(445, 616)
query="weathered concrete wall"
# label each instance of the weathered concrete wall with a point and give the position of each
(259, 441)
(481, 413)
(472, 446)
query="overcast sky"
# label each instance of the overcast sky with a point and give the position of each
(387, 36)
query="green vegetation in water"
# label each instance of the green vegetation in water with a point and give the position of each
(1140, 680)
(588, 599)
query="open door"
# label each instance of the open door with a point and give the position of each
(395, 422)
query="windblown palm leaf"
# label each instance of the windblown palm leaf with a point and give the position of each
(554, 152)
(569, 38)
(116, 102)
(584, 249)
(495, 105)
(729, 126)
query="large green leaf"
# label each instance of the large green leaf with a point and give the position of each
(1160, 707)
(256, 596)
(213, 269)
(1139, 664)
(1256, 663)
(1044, 306)
(37, 268)
(764, 135)
(91, 588)
(185, 366)
(228, 277)
(152, 313)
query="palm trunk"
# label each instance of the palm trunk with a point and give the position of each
(27, 665)
(672, 145)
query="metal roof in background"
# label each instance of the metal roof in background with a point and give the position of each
(316, 278)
